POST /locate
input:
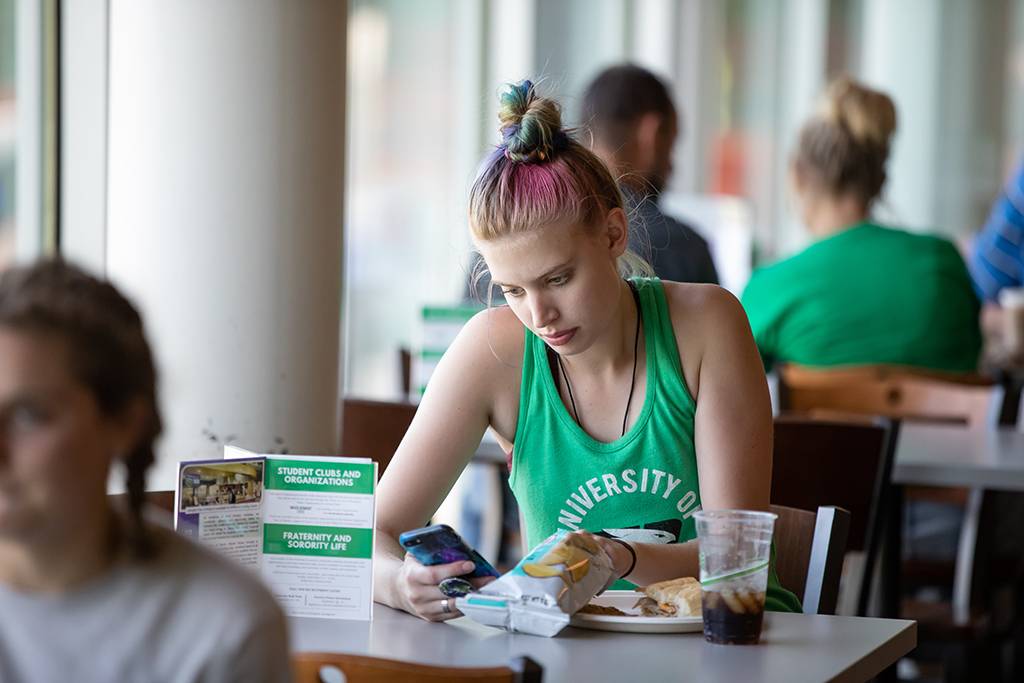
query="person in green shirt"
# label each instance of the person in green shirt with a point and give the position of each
(862, 293)
(625, 405)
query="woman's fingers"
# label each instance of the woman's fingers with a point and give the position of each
(425, 598)
(437, 573)
(429, 603)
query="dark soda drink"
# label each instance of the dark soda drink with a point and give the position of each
(732, 616)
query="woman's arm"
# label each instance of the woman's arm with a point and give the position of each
(732, 426)
(449, 423)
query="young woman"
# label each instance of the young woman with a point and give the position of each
(863, 292)
(88, 593)
(625, 405)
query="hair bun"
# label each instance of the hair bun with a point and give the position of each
(868, 114)
(531, 126)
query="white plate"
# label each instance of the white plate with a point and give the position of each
(625, 600)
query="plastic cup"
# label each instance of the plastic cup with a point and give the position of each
(735, 548)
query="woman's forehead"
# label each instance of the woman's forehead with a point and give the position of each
(528, 256)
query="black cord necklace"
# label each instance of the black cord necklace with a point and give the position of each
(632, 382)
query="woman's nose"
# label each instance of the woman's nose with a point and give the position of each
(543, 313)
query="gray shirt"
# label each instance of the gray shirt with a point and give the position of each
(185, 615)
(674, 249)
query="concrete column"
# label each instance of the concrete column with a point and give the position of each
(226, 132)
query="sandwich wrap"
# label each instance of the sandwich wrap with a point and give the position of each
(551, 583)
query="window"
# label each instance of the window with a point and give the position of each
(746, 74)
(414, 127)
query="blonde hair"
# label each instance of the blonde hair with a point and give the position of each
(540, 176)
(844, 147)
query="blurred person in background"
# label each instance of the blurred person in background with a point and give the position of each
(89, 591)
(997, 259)
(633, 125)
(862, 292)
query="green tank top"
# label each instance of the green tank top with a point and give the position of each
(641, 487)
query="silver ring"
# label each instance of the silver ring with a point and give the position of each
(445, 607)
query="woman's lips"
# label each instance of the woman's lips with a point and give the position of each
(560, 338)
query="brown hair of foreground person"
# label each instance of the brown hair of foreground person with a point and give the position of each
(103, 336)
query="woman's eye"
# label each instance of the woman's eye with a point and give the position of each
(26, 416)
(558, 280)
(513, 292)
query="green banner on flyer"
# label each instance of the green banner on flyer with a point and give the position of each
(310, 475)
(320, 541)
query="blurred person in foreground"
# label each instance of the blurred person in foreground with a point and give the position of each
(90, 591)
(633, 126)
(862, 292)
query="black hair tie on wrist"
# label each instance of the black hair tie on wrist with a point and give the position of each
(632, 553)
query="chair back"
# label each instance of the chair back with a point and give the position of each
(892, 391)
(809, 554)
(373, 429)
(325, 667)
(838, 462)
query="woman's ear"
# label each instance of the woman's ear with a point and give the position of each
(797, 182)
(617, 232)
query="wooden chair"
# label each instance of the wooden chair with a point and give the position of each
(809, 550)
(892, 391)
(373, 429)
(846, 463)
(324, 667)
(909, 394)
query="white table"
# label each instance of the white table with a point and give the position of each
(795, 647)
(949, 455)
(956, 456)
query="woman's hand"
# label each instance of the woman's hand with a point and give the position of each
(418, 591)
(621, 558)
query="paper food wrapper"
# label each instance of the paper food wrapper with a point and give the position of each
(551, 583)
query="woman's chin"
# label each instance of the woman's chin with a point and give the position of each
(15, 522)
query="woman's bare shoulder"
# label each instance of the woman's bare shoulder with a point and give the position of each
(484, 366)
(494, 334)
(703, 317)
(702, 306)
(486, 356)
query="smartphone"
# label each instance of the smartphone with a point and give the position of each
(440, 544)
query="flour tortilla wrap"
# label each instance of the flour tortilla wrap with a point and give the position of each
(548, 586)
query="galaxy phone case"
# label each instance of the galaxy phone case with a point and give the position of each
(440, 544)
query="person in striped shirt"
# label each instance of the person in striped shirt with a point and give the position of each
(998, 258)
(997, 261)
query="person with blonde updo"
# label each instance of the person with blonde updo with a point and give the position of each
(624, 403)
(862, 293)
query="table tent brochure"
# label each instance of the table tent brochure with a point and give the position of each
(305, 524)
